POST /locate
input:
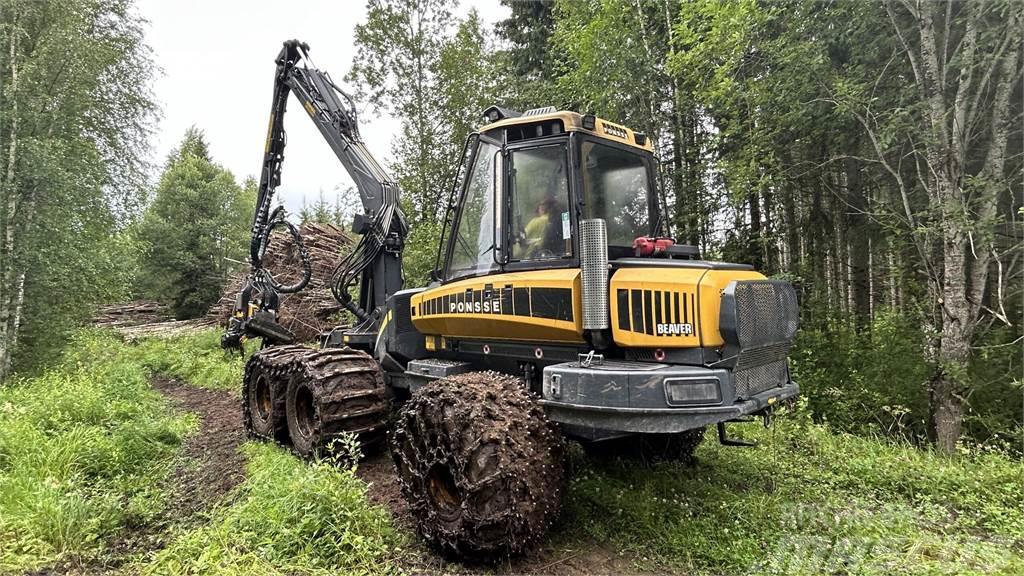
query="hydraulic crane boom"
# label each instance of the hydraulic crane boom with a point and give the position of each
(377, 258)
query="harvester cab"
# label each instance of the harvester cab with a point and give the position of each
(559, 306)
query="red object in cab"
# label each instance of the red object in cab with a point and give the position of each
(647, 246)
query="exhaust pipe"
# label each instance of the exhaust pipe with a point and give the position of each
(594, 274)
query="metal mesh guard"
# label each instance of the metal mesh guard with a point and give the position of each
(766, 313)
(594, 273)
(757, 379)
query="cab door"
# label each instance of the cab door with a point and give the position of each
(510, 272)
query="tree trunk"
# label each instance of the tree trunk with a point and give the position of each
(858, 238)
(947, 394)
(755, 248)
(8, 257)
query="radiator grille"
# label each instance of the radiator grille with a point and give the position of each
(759, 319)
(757, 379)
(766, 312)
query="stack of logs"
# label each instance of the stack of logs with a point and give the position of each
(313, 310)
(134, 313)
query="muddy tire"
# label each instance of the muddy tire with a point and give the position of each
(331, 392)
(480, 465)
(263, 392)
(650, 448)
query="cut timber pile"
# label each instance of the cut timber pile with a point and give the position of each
(134, 313)
(313, 310)
(163, 329)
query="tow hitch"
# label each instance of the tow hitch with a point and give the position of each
(725, 440)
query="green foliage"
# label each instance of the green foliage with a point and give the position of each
(526, 60)
(83, 449)
(198, 222)
(194, 358)
(875, 381)
(806, 501)
(420, 254)
(436, 73)
(398, 50)
(346, 206)
(868, 382)
(289, 517)
(75, 113)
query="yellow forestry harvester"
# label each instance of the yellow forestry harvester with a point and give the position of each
(559, 308)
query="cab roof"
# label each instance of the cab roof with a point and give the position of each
(573, 122)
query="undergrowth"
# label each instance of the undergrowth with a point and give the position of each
(289, 517)
(195, 358)
(808, 500)
(83, 448)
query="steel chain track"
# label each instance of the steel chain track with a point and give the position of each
(503, 464)
(348, 386)
(277, 363)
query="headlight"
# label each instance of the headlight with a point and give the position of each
(688, 391)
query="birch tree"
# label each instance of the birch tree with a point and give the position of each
(965, 63)
(74, 117)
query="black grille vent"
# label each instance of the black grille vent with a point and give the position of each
(757, 379)
(759, 319)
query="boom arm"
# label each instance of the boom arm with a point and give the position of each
(377, 258)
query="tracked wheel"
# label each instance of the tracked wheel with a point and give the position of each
(480, 465)
(263, 391)
(331, 392)
(651, 448)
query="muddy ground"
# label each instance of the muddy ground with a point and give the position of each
(212, 466)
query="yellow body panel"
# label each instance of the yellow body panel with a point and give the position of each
(538, 305)
(573, 122)
(669, 307)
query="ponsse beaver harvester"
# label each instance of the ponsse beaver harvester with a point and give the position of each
(558, 309)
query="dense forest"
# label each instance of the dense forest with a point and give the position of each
(869, 152)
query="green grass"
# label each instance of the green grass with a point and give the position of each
(290, 517)
(83, 448)
(195, 358)
(808, 501)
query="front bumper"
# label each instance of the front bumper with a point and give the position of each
(628, 397)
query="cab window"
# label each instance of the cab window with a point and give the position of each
(617, 188)
(539, 188)
(473, 240)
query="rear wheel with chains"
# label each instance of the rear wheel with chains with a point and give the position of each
(263, 389)
(331, 392)
(480, 465)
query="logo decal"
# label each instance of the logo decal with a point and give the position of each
(478, 307)
(674, 329)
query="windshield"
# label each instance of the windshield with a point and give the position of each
(617, 188)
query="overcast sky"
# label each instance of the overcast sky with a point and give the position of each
(218, 72)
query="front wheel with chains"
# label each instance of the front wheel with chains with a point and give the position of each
(480, 465)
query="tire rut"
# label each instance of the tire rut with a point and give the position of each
(208, 467)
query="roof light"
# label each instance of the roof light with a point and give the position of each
(495, 113)
(589, 121)
(640, 138)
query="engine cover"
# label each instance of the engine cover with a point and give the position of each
(660, 303)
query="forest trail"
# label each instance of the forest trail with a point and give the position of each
(208, 468)
(211, 466)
